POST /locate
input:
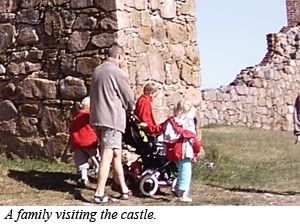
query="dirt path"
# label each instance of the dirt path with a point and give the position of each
(38, 188)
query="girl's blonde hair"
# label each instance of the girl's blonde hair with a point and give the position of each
(182, 108)
(85, 103)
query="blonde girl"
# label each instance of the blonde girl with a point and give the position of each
(183, 126)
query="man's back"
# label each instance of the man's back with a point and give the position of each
(111, 96)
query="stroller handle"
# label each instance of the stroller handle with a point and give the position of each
(133, 117)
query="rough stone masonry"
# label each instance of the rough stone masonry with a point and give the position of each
(49, 48)
(262, 96)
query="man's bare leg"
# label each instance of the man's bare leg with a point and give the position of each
(106, 159)
(118, 170)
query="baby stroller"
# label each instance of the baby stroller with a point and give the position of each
(151, 170)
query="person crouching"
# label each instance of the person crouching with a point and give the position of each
(84, 143)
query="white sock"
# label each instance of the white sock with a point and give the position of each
(84, 171)
(84, 174)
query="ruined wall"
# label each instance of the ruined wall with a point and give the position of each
(293, 12)
(49, 49)
(262, 96)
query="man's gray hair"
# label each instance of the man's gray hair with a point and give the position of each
(115, 51)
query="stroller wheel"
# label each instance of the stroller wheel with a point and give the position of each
(148, 185)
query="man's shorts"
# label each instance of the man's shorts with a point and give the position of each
(109, 138)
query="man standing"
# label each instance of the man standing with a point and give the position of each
(111, 97)
(297, 119)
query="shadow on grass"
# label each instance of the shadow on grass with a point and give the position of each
(55, 181)
(253, 190)
(62, 182)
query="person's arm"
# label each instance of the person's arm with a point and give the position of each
(125, 92)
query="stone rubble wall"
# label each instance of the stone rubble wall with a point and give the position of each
(49, 48)
(262, 96)
(293, 12)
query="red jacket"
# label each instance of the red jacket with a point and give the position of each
(144, 112)
(81, 133)
(174, 149)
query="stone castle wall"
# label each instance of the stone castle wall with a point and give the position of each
(293, 12)
(161, 42)
(49, 48)
(262, 96)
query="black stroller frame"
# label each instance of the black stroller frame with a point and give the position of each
(151, 170)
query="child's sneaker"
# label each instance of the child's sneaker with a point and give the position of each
(185, 199)
(182, 195)
(83, 182)
(178, 193)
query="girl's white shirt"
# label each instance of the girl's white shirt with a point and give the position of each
(187, 122)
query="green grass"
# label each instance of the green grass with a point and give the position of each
(241, 165)
(38, 165)
(250, 158)
(235, 157)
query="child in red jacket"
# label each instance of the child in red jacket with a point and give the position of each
(143, 110)
(84, 144)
